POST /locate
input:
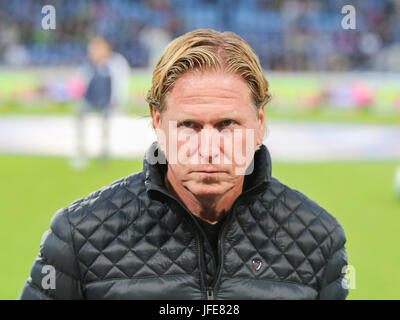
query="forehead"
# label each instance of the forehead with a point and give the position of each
(209, 91)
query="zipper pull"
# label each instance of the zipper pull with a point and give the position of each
(210, 294)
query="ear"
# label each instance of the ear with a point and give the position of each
(156, 118)
(161, 138)
(261, 125)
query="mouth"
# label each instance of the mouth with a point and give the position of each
(209, 174)
(208, 171)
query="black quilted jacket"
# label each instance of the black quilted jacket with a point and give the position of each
(134, 240)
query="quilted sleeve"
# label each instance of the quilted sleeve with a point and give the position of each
(334, 282)
(55, 274)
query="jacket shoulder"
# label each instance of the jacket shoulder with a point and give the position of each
(303, 219)
(121, 197)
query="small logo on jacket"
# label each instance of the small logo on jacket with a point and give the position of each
(256, 263)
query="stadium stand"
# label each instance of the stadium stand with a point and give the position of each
(287, 35)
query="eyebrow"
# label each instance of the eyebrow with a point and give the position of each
(187, 116)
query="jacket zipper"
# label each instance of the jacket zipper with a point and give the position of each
(202, 265)
(212, 289)
(220, 248)
(209, 291)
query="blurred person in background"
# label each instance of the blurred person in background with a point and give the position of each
(106, 78)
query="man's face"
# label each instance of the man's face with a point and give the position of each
(209, 130)
(99, 51)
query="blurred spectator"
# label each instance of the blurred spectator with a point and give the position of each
(107, 88)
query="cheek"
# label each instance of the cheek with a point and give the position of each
(243, 141)
(243, 148)
(181, 146)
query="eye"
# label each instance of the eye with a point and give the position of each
(227, 123)
(189, 125)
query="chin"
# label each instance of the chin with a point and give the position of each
(208, 190)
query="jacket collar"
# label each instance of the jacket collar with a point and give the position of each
(155, 167)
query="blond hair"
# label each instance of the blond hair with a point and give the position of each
(207, 49)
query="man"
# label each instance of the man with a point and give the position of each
(202, 220)
(107, 86)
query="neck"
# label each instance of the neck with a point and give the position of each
(210, 208)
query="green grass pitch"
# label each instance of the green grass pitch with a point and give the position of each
(358, 194)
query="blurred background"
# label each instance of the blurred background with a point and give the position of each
(333, 122)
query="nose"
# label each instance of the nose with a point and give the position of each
(209, 146)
